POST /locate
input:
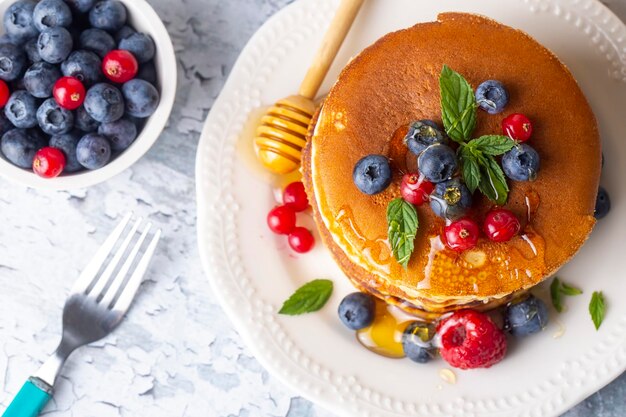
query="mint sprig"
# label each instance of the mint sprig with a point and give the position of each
(458, 105)
(597, 308)
(402, 224)
(311, 297)
(558, 289)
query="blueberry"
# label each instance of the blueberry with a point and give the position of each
(67, 142)
(437, 163)
(50, 14)
(83, 65)
(121, 133)
(108, 15)
(526, 317)
(142, 98)
(53, 119)
(603, 204)
(104, 103)
(147, 72)
(84, 122)
(372, 174)
(357, 310)
(140, 45)
(96, 40)
(31, 51)
(54, 45)
(12, 61)
(491, 96)
(521, 163)
(422, 134)
(80, 6)
(20, 145)
(21, 109)
(417, 341)
(124, 33)
(40, 78)
(450, 199)
(18, 20)
(93, 151)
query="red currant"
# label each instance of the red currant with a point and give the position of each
(281, 220)
(501, 225)
(49, 162)
(69, 92)
(415, 189)
(301, 240)
(295, 197)
(5, 93)
(120, 66)
(517, 127)
(461, 235)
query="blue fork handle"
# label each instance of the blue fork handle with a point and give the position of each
(30, 400)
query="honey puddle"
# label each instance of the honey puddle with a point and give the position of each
(384, 336)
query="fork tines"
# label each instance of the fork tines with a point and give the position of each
(114, 274)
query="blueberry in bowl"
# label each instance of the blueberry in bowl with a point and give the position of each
(84, 78)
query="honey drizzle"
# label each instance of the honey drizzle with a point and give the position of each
(372, 249)
(384, 335)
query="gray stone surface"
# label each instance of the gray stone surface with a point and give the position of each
(178, 354)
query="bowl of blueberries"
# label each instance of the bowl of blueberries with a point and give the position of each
(86, 87)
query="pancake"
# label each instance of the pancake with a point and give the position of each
(368, 110)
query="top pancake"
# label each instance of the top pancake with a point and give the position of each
(394, 82)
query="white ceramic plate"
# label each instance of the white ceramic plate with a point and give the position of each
(252, 271)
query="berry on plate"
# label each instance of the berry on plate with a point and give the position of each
(526, 317)
(415, 189)
(85, 66)
(53, 119)
(451, 199)
(461, 235)
(69, 93)
(491, 96)
(437, 163)
(521, 163)
(281, 220)
(301, 240)
(517, 126)
(417, 341)
(141, 97)
(356, 310)
(140, 45)
(372, 174)
(93, 151)
(120, 66)
(5, 93)
(501, 225)
(422, 134)
(48, 162)
(40, 78)
(603, 204)
(470, 339)
(20, 145)
(295, 196)
(104, 103)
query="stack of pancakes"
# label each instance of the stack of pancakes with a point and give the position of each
(396, 81)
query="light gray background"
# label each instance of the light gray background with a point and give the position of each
(177, 354)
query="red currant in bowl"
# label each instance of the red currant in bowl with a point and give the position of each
(5, 93)
(49, 162)
(294, 196)
(517, 126)
(416, 189)
(69, 93)
(301, 240)
(501, 225)
(120, 66)
(281, 220)
(461, 235)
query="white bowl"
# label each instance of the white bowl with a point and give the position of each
(144, 19)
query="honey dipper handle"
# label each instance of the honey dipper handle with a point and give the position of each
(337, 32)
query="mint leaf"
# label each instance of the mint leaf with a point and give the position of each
(495, 181)
(597, 308)
(309, 298)
(403, 223)
(458, 105)
(569, 290)
(556, 295)
(469, 169)
(492, 144)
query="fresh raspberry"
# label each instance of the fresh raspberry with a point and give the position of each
(470, 339)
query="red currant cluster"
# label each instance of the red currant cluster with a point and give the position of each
(282, 219)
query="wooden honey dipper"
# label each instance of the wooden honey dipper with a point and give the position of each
(282, 133)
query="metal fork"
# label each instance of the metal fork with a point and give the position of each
(96, 305)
